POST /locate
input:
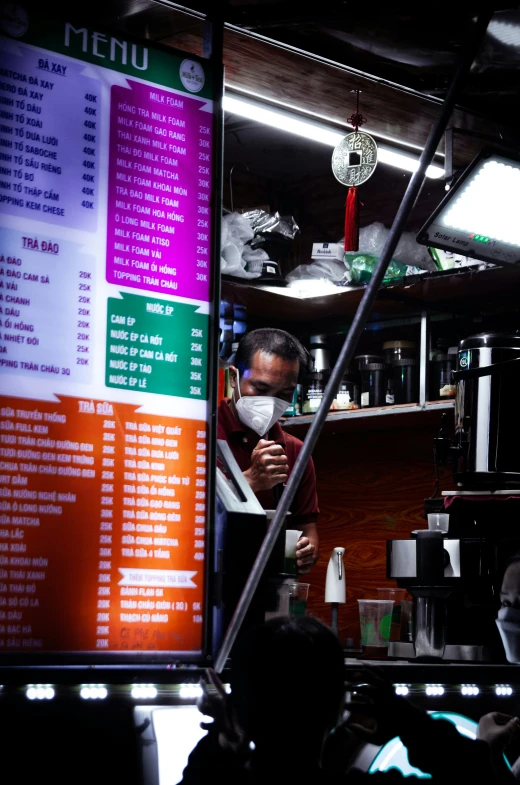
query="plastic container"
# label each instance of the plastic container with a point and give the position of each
(320, 351)
(392, 351)
(438, 521)
(397, 595)
(362, 360)
(405, 381)
(399, 350)
(373, 385)
(348, 395)
(298, 598)
(314, 392)
(442, 383)
(375, 620)
(295, 407)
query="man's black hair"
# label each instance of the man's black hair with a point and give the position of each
(271, 342)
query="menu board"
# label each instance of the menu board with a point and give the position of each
(105, 223)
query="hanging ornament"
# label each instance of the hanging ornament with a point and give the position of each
(353, 162)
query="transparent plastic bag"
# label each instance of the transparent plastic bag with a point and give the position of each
(362, 266)
(272, 223)
(235, 233)
(324, 269)
(372, 240)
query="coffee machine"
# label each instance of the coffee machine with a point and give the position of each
(455, 576)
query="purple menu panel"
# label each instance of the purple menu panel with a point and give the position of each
(159, 186)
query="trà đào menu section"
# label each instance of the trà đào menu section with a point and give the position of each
(105, 268)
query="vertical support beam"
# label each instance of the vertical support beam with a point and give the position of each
(213, 47)
(474, 40)
(448, 152)
(423, 358)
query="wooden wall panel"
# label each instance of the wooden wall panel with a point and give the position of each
(267, 71)
(371, 488)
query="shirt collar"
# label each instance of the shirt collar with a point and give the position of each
(232, 425)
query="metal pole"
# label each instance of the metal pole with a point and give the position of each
(423, 355)
(477, 33)
(214, 52)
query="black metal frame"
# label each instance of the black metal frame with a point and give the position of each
(42, 667)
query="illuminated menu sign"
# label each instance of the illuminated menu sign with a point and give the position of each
(105, 169)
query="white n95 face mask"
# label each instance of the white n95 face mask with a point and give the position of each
(508, 624)
(259, 412)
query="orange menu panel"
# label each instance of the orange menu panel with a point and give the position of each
(102, 514)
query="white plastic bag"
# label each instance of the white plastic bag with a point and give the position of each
(235, 233)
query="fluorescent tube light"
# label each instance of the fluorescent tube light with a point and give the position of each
(317, 132)
(479, 215)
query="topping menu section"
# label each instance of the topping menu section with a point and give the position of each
(102, 528)
(105, 317)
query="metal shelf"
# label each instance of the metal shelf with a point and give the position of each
(463, 291)
(350, 415)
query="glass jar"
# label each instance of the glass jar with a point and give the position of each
(392, 351)
(442, 383)
(313, 392)
(295, 407)
(362, 360)
(405, 381)
(373, 385)
(399, 350)
(348, 394)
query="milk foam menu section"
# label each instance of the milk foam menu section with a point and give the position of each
(105, 266)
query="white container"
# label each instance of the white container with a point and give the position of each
(438, 521)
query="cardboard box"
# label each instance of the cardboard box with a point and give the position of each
(327, 251)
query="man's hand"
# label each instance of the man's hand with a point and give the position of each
(305, 555)
(269, 466)
(498, 730)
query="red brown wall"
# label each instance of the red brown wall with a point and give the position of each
(371, 487)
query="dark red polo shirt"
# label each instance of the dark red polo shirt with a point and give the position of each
(242, 441)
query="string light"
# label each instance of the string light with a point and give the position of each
(141, 691)
(40, 692)
(93, 692)
(503, 690)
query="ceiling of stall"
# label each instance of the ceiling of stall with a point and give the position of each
(311, 56)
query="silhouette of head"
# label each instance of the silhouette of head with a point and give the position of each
(287, 680)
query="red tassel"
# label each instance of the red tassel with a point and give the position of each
(352, 220)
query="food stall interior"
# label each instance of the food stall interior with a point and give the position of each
(390, 457)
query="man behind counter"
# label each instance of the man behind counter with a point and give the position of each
(267, 367)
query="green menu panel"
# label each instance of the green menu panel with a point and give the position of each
(156, 345)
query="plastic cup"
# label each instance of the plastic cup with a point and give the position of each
(438, 521)
(397, 595)
(291, 539)
(278, 599)
(298, 599)
(375, 619)
(406, 620)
